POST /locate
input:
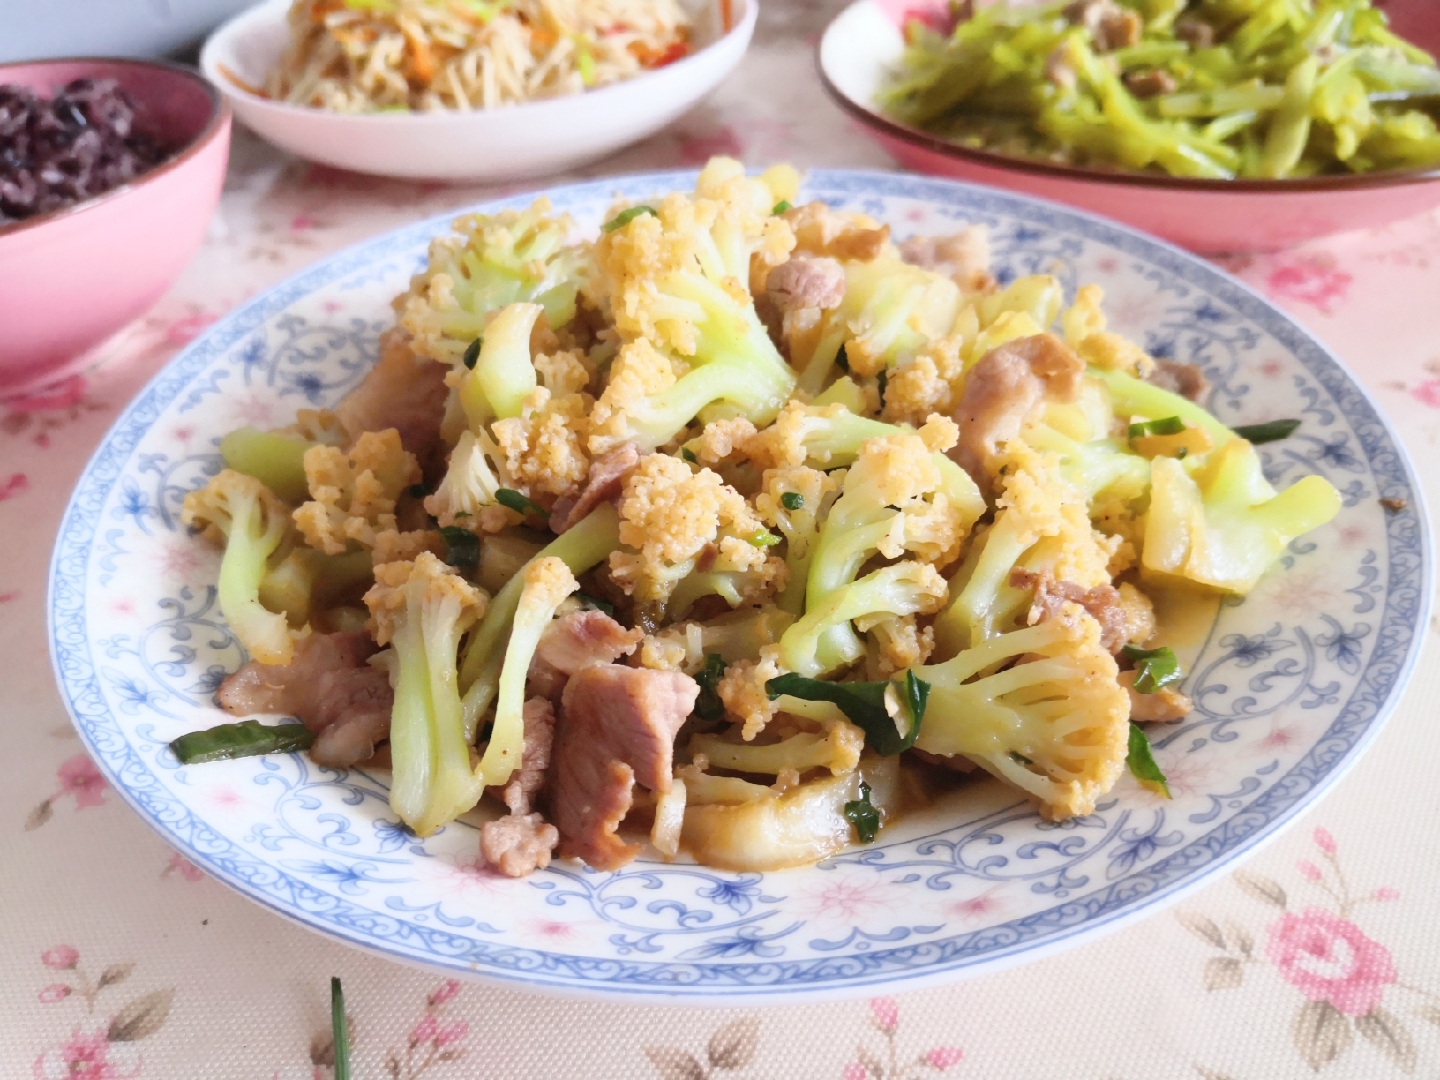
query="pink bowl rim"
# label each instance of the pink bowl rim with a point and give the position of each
(924, 140)
(232, 86)
(219, 118)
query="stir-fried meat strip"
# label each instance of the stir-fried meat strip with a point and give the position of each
(1162, 707)
(1187, 380)
(1102, 602)
(402, 391)
(1001, 392)
(576, 641)
(604, 482)
(821, 231)
(806, 282)
(329, 687)
(617, 727)
(525, 782)
(963, 257)
(1195, 31)
(1149, 83)
(1109, 25)
(519, 844)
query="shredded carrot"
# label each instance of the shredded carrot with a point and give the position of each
(727, 16)
(241, 83)
(422, 61)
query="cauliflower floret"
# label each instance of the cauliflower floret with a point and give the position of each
(466, 496)
(1083, 324)
(722, 438)
(795, 500)
(547, 583)
(742, 691)
(823, 640)
(930, 381)
(391, 545)
(240, 512)
(1055, 725)
(563, 373)
(668, 515)
(423, 609)
(639, 372)
(716, 235)
(896, 643)
(506, 258)
(544, 445)
(1041, 524)
(353, 494)
(677, 277)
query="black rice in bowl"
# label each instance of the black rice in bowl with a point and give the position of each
(72, 147)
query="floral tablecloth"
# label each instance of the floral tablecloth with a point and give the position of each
(119, 959)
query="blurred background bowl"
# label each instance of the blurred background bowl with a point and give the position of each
(71, 278)
(1207, 216)
(511, 143)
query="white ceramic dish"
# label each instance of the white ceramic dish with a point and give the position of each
(1290, 686)
(513, 143)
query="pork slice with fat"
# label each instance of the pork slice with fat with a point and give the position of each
(616, 728)
(329, 686)
(604, 482)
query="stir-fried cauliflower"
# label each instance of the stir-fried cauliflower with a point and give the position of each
(669, 515)
(353, 493)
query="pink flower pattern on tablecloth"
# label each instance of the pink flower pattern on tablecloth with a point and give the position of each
(87, 1056)
(79, 779)
(107, 1051)
(13, 485)
(886, 1064)
(1344, 975)
(1330, 959)
(1310, 279)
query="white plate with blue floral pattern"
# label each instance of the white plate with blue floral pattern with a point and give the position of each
(1290, 685)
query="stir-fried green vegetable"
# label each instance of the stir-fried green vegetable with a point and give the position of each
(1215, 89)
(248, 738)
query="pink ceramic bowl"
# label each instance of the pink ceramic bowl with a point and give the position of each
(1206, 216)
(71, 278)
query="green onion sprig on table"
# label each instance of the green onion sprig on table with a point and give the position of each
(340, 1030)
(1211, 89)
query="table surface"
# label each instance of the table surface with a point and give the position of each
(119, 959)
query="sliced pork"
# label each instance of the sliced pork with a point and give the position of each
(1187, 380)
(576, 641)
(617, 728)
(1103, 603)
(329, 687)
(606, 479)
(518, 845)
(805, 282)
(525, 782)
(1001, 392)
(963, 257)
(402, 391)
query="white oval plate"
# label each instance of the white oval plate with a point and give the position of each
(1289, 686)
(536, 138)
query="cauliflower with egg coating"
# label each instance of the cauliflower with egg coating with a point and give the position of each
(422, 609)
(514, 256)
(241, 512)
(677, 278)
(1041, 523)
(1055, 723)
(669, 514)
(353, 493)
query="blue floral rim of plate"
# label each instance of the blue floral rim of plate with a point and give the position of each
(749, 960)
